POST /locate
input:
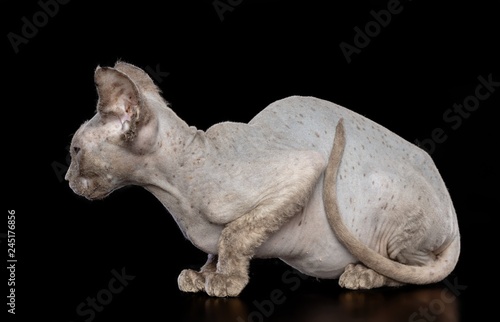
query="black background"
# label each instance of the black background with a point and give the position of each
(426, 59)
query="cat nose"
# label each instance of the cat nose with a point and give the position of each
(76, 149)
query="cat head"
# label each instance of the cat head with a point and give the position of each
(106, 150)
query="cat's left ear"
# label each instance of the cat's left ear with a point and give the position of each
(119, 97)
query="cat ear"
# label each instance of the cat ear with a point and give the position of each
(138, 76)
(119, 97)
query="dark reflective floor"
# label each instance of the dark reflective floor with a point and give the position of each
(432, 303)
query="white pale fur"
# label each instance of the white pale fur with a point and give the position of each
(389, 193)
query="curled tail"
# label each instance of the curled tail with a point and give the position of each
(443, 265)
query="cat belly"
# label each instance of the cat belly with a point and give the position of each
(307, 242)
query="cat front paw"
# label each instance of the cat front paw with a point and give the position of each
(222, 285)
(191, 281)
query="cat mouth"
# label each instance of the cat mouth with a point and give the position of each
(97, 194)
(88, 189)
